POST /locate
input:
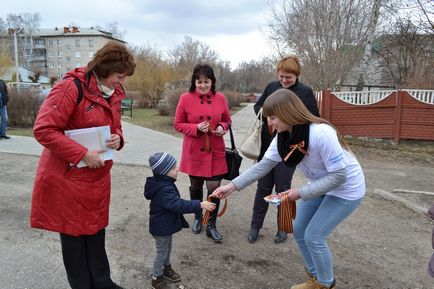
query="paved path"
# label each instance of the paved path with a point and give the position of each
(140, 141)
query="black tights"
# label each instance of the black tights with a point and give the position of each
(197, 184)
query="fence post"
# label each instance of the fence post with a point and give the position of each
(397, 116)
(326, 104)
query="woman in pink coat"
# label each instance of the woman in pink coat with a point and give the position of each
(202, 115)
(75, 201)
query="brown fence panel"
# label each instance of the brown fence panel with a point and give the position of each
(398, 116)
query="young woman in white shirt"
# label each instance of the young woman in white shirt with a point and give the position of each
(336, 182)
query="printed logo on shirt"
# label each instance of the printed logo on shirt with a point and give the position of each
(337, 158)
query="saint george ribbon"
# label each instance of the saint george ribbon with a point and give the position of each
(293, 147)
(287, 213)
(207, 213)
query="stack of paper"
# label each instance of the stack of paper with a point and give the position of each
(93, 138)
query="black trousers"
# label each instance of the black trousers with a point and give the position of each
(86, 261)
(280, 177)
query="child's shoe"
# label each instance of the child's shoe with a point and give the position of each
(171, 275)
(159, 283)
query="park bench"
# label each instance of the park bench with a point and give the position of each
(127, 105)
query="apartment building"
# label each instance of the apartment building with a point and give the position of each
(54, 51)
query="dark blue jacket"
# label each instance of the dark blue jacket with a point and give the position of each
(167, 208)
(3, 93)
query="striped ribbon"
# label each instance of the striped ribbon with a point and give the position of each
(287, 214)
(207, 213)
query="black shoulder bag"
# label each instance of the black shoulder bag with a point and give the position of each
(233, 160)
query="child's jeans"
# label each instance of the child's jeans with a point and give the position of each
(163, 244)
(314, 222)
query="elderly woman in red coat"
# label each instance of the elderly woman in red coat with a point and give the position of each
(75, 201)
(202, 115)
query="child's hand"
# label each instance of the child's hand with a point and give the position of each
(209, 206)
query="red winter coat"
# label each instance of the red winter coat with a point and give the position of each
(67, 199)
(192, 109)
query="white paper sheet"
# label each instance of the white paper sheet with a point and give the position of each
(93, 138)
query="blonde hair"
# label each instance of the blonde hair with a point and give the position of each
(288, 107)
(289, 64)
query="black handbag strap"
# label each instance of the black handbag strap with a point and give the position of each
(232, 138)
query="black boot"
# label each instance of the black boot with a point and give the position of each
(197, 223)
(211, 230)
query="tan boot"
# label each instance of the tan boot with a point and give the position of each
(311, 283)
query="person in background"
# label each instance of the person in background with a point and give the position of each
(280, 177)
(336, 181)
(166, 214)
(431, 261)
(75, 201)
(202, 115)
(4, 99)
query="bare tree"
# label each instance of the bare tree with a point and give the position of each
(30, 23)
(327, 35)
(189, 53)
(151, 76)
(253, 76)
(406, 55)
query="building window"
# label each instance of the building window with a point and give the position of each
(77, 54)
(59, 53)
(68, 58)
(77, 64)
(50, 42)
(59, 64)
(51, 64)
(90, 42)
(68, 47)
(50, 53)
(77, 42)
(59, 42)
(90, 54)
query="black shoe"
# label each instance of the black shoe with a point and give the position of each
(212, 232)
(197, 226)
(253, 235)
(280, 237)
(5, 137)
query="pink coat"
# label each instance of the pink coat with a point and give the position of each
(192, 109)
(67, 199)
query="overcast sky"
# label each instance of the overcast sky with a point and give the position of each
(233, 28)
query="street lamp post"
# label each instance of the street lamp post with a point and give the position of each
(17, 74)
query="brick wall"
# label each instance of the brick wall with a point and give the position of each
(398, 116)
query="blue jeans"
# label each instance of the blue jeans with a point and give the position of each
(314, 222)
(3, 120)
(163, 244)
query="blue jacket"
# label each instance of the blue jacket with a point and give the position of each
(167, 208)
(4, 95)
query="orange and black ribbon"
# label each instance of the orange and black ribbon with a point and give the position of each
(207, 213)
(293, 147)
(287, 213)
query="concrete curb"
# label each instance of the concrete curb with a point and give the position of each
(409, 204)
(412, 192)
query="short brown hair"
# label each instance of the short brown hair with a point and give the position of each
(289, 64)
(113, 57)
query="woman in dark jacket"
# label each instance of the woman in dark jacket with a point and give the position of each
(288, 71)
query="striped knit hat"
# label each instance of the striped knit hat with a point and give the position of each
(161, 163)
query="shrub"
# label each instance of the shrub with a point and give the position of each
(23, 107)
(233, 98)
(171, 100)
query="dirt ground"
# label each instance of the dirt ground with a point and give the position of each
(382, 245)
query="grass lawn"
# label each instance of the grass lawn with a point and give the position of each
(150, 118)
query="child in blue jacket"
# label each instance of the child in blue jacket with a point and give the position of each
(166, 214)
